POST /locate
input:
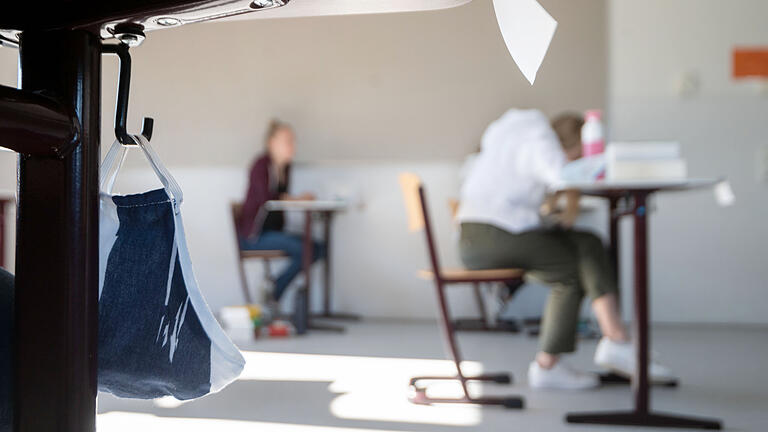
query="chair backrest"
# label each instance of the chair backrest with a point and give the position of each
(453, 206)
(410, 184)
(418, 214)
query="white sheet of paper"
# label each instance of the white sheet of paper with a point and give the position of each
(724, 194)
(527, 29)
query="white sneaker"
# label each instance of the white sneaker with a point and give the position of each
(561, 376)
(620, 357)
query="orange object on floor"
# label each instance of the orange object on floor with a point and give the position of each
(279, 329)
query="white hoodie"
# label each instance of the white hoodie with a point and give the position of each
(519, 159)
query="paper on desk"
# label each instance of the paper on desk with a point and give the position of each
(527, 29)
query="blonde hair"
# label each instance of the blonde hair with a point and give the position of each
(568, 126)
(273, 128)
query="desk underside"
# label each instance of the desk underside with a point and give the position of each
(105, 14)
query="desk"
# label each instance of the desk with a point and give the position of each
(326, 211)
(5, 201)
(635, 195)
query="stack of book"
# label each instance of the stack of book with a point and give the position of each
(645, 161)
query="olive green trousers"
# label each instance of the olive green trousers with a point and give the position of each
(573, 263)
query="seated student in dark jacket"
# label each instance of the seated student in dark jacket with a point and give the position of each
(259, 229)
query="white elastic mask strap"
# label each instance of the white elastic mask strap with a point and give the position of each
(171, 186)
(111, 165)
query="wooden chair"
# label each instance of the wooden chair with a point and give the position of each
(266, 256)
(418, 220)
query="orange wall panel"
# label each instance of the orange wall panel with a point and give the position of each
(750, 62)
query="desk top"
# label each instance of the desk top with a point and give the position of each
(623, 186)
(307, 205)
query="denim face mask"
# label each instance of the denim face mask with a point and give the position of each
(157, 336)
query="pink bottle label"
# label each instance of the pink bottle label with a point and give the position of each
(592, 148)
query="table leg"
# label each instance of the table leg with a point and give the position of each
(327, 266)
(327, 219)
(2, 232)
(641, 331)
(613, 234)
(306, 262)
(641, 415)
(57, 252)
(307, 268)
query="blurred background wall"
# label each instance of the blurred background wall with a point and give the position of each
(670, 75)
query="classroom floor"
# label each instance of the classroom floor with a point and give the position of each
(357, 381)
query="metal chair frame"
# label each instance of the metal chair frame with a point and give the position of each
(419, 220)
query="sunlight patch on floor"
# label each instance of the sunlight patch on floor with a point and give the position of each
(369, 388)
(132, 422)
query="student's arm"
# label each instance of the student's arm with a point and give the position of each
(567, 218)
(549, 207)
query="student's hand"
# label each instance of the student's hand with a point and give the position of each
(549, 207)
(307, 196)
(567, 218)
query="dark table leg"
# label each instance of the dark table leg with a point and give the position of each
(327, 220)
(307, 264)
(2, 232)
(327, 290)
(613, 233)
(641, 415)
(57, 250)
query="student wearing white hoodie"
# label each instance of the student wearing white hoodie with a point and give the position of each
(502, 200)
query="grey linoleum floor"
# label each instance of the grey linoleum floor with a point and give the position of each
(357, 381)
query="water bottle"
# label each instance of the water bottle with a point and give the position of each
(592, 136)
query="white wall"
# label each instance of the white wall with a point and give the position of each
(708, 263)
(413, 86)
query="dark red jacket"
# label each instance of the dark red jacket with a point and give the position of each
(262, 187)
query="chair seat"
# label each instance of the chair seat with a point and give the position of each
(464, 275)
(262, 254)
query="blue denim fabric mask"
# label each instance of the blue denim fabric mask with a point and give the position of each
(157, 336)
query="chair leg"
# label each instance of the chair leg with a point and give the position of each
(418, 394)
(483, 323)
(481, 304)
(244, 281)
(268, 271)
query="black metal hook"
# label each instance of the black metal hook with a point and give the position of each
(123, 91)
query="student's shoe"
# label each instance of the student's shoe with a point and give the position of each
(620, 357)
(561, 377)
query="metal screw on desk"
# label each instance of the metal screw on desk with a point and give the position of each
(264, 4)
(168, 21)
(130, 34)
